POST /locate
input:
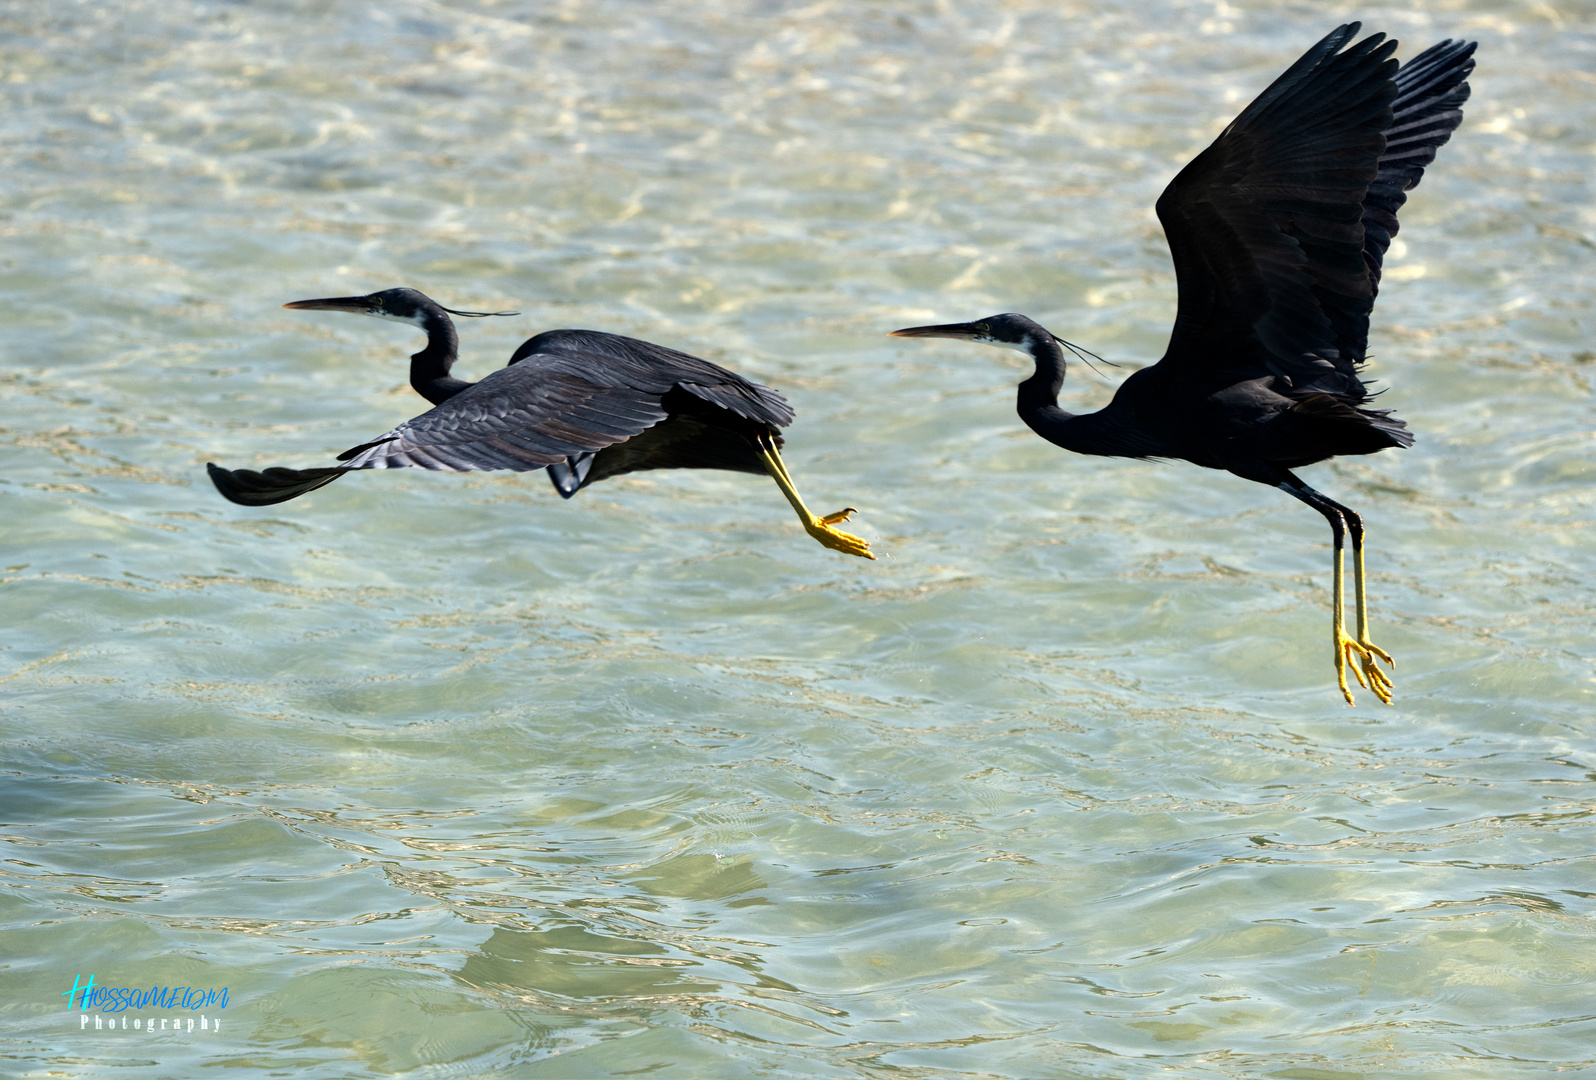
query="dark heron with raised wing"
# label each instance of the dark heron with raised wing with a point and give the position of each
(582, 404)
(1278, 231)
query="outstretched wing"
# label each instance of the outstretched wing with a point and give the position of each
(1267, 225)
(565, 394)
(522, 417)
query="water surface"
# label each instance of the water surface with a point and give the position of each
(441, 775)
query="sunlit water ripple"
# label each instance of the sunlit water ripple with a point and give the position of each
(443, 776)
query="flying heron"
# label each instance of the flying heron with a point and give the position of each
(583, 404)
(1278, 231)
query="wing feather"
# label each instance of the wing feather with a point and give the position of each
(518, 418)
(1266, 222)
(655, 368)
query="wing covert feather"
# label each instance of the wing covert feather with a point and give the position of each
(1278, 229)
(656, 369)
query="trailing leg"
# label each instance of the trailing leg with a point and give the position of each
(818, 527)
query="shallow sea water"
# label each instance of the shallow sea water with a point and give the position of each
(442, 776)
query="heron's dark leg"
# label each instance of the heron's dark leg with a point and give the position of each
(1359, 651)
(818, 527)
(1377, 678)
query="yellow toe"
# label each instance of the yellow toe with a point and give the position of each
(1360, 656)
(836, 539)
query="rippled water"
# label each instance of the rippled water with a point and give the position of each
(442, 776)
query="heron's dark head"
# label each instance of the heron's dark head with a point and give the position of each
(1016, 332)
(405, 305)
(1008, 331)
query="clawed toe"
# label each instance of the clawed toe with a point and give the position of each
(836, 539)
(818, 527)
(1360, 656)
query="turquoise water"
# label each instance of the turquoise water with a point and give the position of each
(441, 775)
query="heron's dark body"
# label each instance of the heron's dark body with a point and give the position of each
(584, 404)
(1278, 231)
(711, 416)
(1252, 423)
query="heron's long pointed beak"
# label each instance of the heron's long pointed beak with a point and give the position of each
(962, 331)
(359, 305)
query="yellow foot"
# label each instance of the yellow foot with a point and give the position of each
(1360, 656)
(835, 539)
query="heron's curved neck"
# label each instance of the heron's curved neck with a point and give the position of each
(429, 368)
(1038, 399)
(1084, 433)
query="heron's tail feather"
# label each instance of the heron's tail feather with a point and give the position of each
(1396, 430)
(1370, 430)
(249, 488)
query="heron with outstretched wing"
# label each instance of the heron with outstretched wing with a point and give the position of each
(1278, 232)
(581, 404)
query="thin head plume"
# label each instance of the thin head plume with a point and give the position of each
(1081, 354)
(478, 314)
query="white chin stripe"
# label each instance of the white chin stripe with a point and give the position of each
(413, 320)
(1024, 345)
